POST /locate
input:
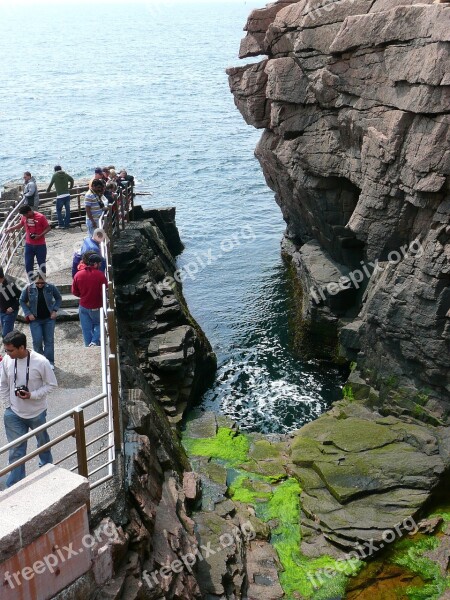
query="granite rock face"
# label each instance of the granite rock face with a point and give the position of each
(353, 97)
(168, 345)
(363, 474)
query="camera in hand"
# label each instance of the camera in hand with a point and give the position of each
(32, 236)
(19, 389)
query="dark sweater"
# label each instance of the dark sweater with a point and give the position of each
(62, 182)
(9, 296)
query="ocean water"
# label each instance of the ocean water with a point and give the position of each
(143, 86)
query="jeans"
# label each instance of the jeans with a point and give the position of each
(15, 427)
(7, 321)
(60, 203)
(43, 334)
(38, 251)
(90, 227)
(90, 325)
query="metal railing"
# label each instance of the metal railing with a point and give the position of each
(113, 221)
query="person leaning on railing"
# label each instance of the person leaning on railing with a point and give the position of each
(25, 381)
(89, 244)
(88, 285)
(95, 203)
(36, 227)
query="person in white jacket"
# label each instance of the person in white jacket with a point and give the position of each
(26, 378)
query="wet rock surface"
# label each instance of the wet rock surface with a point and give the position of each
(363, 474)
(364, 481)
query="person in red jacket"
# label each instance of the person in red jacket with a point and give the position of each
(88, 285)
(36, 226)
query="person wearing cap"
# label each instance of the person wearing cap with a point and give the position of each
(63, 183)
(90, 243)
(98, 173)
(88, 285)
(95, 203)
(36, 227)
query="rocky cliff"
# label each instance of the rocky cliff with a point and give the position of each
(166, 362)
(353, 97)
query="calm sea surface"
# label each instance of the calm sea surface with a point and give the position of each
(144, 87)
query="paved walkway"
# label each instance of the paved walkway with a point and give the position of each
(77, 369)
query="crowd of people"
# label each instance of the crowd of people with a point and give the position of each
(26, 376)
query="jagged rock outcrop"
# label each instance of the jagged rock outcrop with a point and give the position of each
(169, 346)
(354, 99)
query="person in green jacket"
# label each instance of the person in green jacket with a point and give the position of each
(63, 183)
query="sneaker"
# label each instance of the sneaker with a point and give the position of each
(52, 367)
(92, 345)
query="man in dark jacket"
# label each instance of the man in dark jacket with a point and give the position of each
(9, 303)
(63, 183)
(30, 191)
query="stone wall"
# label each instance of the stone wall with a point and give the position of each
(353, 98)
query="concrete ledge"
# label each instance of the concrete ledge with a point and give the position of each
(36, 504)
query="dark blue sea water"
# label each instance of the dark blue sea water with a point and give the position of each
(143, 86)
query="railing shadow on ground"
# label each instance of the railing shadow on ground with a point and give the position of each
(77, 420)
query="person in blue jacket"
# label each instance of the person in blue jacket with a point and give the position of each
(40, 302)
(89, 243)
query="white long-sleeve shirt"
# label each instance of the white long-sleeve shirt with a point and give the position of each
(41, 381)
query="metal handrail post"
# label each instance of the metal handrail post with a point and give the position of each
(115, 403)
(112, 330)
(122, 211)
(80, 440)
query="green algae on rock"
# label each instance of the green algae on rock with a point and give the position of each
(226, 445)
(275, 499)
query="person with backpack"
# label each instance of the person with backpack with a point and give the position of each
(63, 183)
(90, 243)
